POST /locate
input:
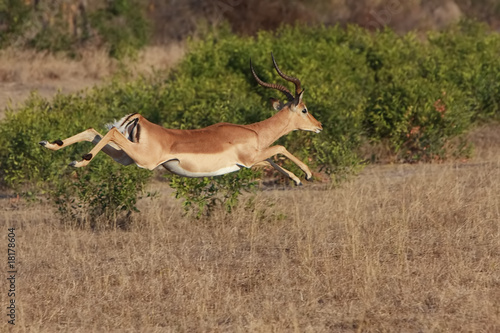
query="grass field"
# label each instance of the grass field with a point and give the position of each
(400, 248)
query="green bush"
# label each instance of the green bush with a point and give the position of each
(428, 93)
(202, 195)
(103, 194)
(416, 96)
(411, 107)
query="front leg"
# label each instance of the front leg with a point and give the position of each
(275, 150)
(283, 171)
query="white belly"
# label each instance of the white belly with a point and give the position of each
(174, 167)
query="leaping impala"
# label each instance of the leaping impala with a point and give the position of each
(211, 151)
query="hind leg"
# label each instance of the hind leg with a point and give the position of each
(135, 151)
(91, 135)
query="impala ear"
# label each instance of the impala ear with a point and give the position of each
(298, 98)
(276, 104)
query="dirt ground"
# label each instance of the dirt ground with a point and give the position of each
(25, 72)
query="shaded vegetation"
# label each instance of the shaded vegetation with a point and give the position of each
(123, 26)
(68, 26)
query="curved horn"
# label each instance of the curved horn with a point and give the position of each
(279, 87)
(298, 88)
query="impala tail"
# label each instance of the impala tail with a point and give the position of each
(129, 126)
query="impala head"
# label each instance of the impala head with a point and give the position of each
(299, 114)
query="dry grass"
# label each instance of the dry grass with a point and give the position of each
(409, 248)
(24, 71)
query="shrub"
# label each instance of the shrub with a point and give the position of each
(410, 106)
(102, 195)
(202, 195)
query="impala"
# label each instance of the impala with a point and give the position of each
(211, 151)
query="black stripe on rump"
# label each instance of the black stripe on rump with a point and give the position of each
(131, 127)
(138, 132)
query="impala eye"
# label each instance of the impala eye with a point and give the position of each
(304, 111)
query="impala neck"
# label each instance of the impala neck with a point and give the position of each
(273, 128)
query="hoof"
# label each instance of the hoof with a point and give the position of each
(309, 179)
(72, 164)
(87, 157)
(43, 143)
